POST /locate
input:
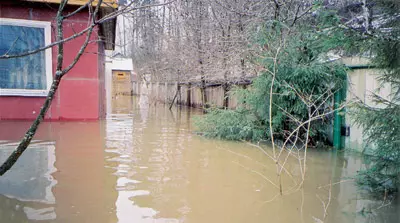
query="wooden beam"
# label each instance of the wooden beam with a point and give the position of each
(106, 3)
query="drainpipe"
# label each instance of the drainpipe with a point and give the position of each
(339, 120)
(337, 124)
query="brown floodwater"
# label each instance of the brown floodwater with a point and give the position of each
(144, 164)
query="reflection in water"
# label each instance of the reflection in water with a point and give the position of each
(30, 180)
(60, 178)
(23, 184)
(135, 158)
(145, 165)
(40, 214)
(144, 102)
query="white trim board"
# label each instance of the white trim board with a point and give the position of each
(48, 60)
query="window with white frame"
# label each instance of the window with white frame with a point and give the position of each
(28, 75)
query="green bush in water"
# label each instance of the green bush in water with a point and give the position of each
(230, 124)
(301, 65)
(382, 131)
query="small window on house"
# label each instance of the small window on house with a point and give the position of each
(121, 76)
(29, 75)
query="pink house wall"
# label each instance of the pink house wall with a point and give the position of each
(79, 95)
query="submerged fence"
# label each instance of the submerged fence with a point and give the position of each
(188, 94)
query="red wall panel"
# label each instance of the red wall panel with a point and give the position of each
(77, 98)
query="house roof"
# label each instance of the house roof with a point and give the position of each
(106, 3)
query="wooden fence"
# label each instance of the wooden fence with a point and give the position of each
(188, 94)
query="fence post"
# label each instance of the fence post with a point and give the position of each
(166, 92)
(157, 91)
(189, 94)
(225, 95)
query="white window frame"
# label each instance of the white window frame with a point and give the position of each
(48, 58)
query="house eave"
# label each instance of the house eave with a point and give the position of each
(107, 29)
(106, 3)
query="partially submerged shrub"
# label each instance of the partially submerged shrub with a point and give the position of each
(300, 71)
(230, 124)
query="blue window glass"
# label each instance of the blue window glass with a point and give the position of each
(27, 72)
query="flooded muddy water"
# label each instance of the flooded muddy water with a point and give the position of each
(144, 164)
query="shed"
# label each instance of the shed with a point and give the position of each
(119, 77)
(363, 82)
